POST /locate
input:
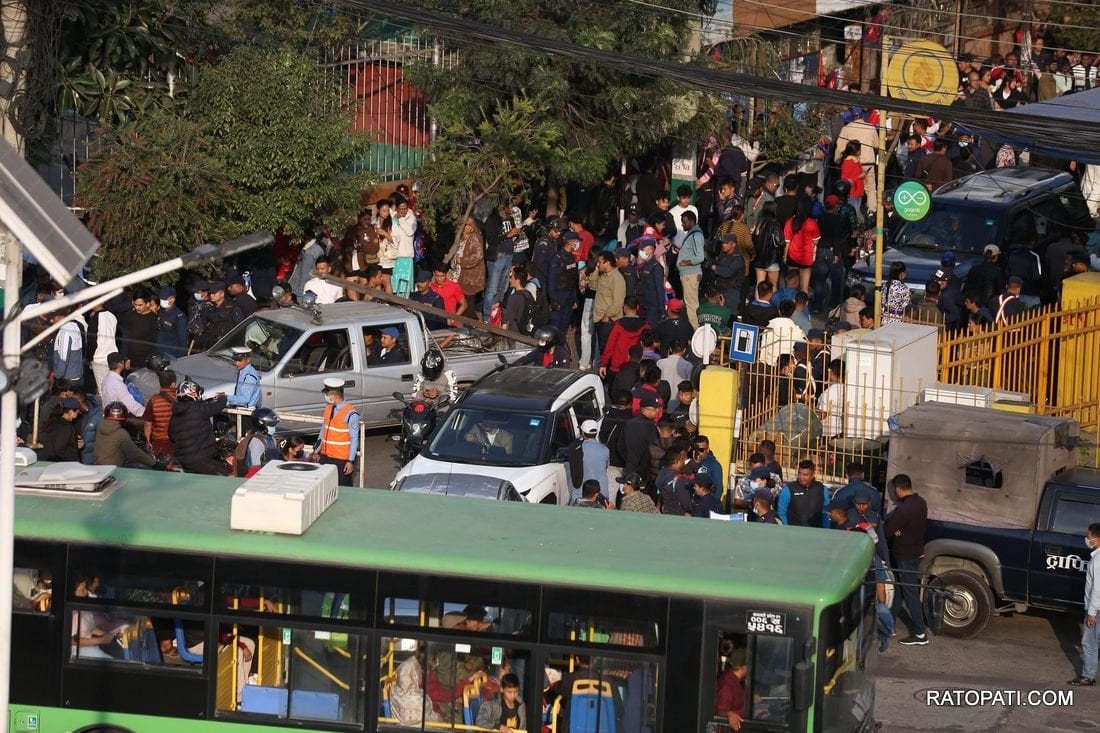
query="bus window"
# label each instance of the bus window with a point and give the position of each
(612, 693)
(614, 619)
(32, 590)
(139, 577)
(295, 673)
(753, 680)
(445, 686)
(458, 616)
(116, 635)
(287, 601)
(594, 629)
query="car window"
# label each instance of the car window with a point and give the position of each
(564, 434)
(1050, 217)
(587, 407)
(1073, 516)
(372, 346)
(323, 351)
(956, 228)
(268, 340)
(491, 437)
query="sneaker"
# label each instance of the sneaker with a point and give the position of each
(1082, 681)
(914, 640)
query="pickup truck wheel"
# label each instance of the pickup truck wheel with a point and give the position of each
(968, 606)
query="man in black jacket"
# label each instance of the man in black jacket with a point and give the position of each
(191, 432)
(611, 432)
(761, 309)
(638, 433)
(987, 278)
(905, 528)
(217, 321)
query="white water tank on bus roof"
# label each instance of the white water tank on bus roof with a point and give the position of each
(285, 497)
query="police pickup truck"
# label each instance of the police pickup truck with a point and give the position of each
(1007, 508)
(296, 349)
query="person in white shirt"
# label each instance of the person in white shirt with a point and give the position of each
(830, 405)
(683, 203)
(114, 388)
(325, 291)
(105, 344)
(1090, 630)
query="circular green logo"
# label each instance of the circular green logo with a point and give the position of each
(912, 201)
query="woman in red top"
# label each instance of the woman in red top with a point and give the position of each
(851, 170)
(801, 234)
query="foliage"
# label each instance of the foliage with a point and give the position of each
(598, 112)
(512, 143)
(1076, 26)
(783, 137)
(285, 23)
(154, 190)
(278, 127)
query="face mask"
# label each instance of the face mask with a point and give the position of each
(643, 255)
(270, 429)
(757, 484)
(165, 304)
(197, 296)
(1088, 543)
(756, 510)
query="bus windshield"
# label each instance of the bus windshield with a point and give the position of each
(268, 340)
(487, 436)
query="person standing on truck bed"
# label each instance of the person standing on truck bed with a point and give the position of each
(338, 442)
(1087, 678)
(905, 528)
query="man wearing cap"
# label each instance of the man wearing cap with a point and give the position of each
(114, 387)
(546, 249)
(171, 325)
(729, 273)
(633, 498)
(762, 507)
(674, 327)
(338, 442)
(247, 391)
(759, 477)
(197, 307)
(632, 226)
(563, 281)
(639, 432)
(237, 289)
(391, 351)
(651, 283)
(219, 320)
(949, 301)
(424, 294)
(61, 439)
(588, 460)
(846, 494)
(624, 263)
(705, 500)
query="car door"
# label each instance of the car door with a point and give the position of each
(1058, 552)
(324, 353)
(380, 381)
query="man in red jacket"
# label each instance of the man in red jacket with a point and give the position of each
(626, 332)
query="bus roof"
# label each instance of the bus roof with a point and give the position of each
(460, 537)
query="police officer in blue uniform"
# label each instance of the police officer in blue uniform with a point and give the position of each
(563, 282)
(247, 391)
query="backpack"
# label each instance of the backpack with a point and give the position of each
(536, 311)
(240, 455)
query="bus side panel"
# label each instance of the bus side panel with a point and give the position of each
(107, 688)
(685, 639)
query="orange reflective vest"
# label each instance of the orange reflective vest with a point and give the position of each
(335, 433)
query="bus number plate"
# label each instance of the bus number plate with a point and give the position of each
(767, 622)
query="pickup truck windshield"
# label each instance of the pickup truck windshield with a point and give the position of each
(963, 229)
(489, 437)
(268, 340)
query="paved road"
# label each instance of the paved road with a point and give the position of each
(1033, 651)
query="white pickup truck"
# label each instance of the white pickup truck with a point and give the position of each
(295, 349)
(532, 414)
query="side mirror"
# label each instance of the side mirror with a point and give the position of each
(503, 361)
(399, 397)
(802, 686)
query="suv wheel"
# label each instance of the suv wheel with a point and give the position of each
(968, 605)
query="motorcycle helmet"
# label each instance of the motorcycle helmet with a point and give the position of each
(189, 390)
(157, 363)
(116, 411)
(842, 188)
(264, 418)
(431, 366)
(547, 336)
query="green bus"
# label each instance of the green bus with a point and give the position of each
(141, 611)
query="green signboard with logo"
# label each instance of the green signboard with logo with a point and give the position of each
(912, 201)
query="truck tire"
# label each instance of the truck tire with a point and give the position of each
(968, 606)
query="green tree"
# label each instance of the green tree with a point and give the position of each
(602, 113)
(512, 143)
(278, 127)
(154, 190)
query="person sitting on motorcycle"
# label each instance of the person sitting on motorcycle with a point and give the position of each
(550, 352)
(434, 381)
(192, 432)
(113, 445)
(258, 446)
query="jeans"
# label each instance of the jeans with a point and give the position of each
(561, 313)
(603, 332)
(906, 571)
(496, 281)
(586, 334)
(829, 276)
(1088, 649)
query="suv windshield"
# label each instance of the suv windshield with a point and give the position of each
(964, 229)
(492, 437)
(268, 340)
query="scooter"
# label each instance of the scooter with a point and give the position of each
(418, 419)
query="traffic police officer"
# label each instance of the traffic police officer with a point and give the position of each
(338, 443)
(247, 391)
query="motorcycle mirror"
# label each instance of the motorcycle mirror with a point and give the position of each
(501, 358)
(399, 397)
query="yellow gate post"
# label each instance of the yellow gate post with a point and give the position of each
(718, 397)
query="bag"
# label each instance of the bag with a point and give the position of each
(240, 455)
(539, 311)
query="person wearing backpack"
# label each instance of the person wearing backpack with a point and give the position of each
(519, 303)
(257, 447)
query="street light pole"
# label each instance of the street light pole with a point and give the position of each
(9, 402)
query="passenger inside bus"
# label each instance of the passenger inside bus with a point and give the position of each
(472, 618)
(94, 636)
(729, 693)
(406, 696)
(32, 589)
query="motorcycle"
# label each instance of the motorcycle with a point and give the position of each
(418, 419)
